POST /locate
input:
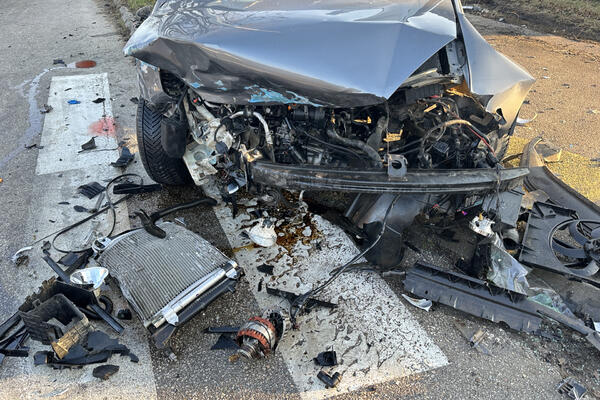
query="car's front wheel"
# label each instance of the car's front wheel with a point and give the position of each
(161, 168)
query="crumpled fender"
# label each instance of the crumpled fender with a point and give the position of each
(491, 75)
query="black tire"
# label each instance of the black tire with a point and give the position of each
(161, 168)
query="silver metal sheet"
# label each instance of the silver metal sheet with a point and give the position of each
(492, 74)
(336, 53)
(155, 273)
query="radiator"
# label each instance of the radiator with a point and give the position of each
(159, 277)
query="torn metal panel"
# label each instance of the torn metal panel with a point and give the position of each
(491, 74)
(472, 296)
(377, 181)
(265, 52)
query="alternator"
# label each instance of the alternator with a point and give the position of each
(260, 335)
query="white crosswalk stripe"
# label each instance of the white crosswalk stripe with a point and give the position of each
(375, 336)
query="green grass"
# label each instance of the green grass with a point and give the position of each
(137, 4)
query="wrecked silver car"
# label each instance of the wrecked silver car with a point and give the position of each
(377, 98)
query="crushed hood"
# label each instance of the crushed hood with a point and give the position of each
(335, 53)
(339, 53)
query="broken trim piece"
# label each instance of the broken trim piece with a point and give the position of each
(472, 296)
(377, 181)
(541, 178)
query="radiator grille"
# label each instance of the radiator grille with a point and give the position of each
(152, 272)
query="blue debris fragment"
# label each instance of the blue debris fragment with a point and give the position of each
(74, 102)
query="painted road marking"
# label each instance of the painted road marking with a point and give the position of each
(68, 126)
(65, 129)
(374, 335)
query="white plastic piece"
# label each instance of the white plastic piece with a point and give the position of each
(263, 233)
(423, 304)
(20, 252)
(523, 121)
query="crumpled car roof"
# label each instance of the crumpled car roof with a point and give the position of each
(336, 53)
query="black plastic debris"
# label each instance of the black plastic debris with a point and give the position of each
(135, 188)
(225, 342)
(85, 299)
(134, 100)
(124, 159)
(105, 371)
(64, 203)
(12, 338)
(149, 221)
(265, 269)
(41, 357)
(91, 190)
(46, 245)
(473, 296)
(326, 359)
(46, 109)
(503, 207)
(124, 314)
(98, 341)
(40, 326)
(291, 297)
(570, 387)
(79, 208)
(89, 145)
(75, 261)
(541, 242)
(99, 100)
(222, 329)
(58, 61)
(330, 381)
(98, 347)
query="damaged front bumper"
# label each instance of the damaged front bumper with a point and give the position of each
(378, 181)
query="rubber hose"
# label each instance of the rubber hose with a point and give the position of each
(357, 144)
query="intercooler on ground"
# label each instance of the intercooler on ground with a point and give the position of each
(168, 280)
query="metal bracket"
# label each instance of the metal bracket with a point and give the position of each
(397, 166)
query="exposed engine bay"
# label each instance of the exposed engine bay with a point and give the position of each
(446, 130)
(251, 94)
(431, 122)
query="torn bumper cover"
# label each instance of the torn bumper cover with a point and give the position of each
(378, 181)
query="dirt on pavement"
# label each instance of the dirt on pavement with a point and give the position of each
(565, 99)
(577, 19)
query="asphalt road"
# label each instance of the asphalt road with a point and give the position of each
(36, 33)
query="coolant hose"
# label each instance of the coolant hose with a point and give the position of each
(357, 144)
